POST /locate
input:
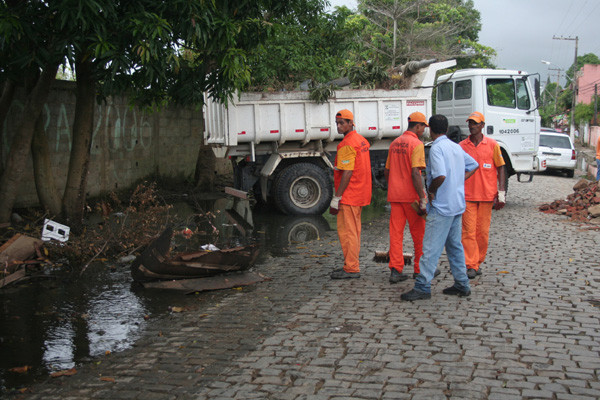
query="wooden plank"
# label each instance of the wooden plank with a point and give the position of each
(236, 193)
(210, 283)
(15, 276)
(240, 223)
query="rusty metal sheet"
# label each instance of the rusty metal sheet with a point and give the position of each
(18, 248)
(210, 283)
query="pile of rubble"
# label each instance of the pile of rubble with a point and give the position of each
(583, 205)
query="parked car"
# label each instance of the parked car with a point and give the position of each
(552, 130)
(557, 150)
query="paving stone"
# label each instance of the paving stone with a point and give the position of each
(525, 332)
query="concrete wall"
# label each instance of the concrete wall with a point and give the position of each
(128, 143)
(588, 77)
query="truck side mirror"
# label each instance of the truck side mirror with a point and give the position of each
(536, 85)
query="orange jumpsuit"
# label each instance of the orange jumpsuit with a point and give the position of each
(480, 191)
(406, 152)
(352, 154)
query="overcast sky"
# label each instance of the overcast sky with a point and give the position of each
(522, 31)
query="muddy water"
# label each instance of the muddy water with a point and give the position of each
(63, 320)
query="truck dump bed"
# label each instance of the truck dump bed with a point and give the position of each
(283, 117)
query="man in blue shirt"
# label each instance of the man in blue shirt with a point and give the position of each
(447, 168)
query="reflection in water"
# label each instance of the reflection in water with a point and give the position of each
(107, 315)
(56, 324)
(58, 347)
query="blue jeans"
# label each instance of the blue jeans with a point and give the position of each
(440, 232)
(597, 169)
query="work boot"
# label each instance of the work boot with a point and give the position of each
(341, 274)
(415, 295)
(471, 273)
(454, 291)
(396, 276)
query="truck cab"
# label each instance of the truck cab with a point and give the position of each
(507, 99)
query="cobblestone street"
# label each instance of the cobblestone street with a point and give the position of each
(529, 330)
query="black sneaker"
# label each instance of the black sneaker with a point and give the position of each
(478, 271)
(396, 276)
(341, 274)
(454, 291)
(471, 273)
(415, 295)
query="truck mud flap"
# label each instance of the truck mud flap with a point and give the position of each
(525, 173)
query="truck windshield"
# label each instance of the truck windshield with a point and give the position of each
(508, 93)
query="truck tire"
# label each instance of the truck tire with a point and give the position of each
(303, 189)
(293, 230)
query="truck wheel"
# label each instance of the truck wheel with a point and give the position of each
(303, 189)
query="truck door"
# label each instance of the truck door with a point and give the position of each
(511, 120)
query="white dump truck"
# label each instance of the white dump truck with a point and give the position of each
(282, 144)
(507, 99)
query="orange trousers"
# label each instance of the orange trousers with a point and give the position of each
(476, 232)
(349, 227)
(402, 212)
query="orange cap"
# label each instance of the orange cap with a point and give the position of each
(345, 114)
(418, 117)
(477, 117)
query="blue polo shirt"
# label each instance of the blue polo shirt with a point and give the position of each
(448, 159)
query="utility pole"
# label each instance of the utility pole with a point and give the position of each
(557, 82)
(595, 119)
(572, 127)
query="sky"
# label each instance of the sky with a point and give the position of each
(522, 31)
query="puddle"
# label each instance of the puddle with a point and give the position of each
(55, 324)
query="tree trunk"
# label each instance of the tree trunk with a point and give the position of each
(42, 170)
(73, 201)
(8, 93)
(205, 168)
(204, 175)
(20, 146)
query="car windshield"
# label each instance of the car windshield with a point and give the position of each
(561, 142)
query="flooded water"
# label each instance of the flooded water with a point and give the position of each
(62, 320)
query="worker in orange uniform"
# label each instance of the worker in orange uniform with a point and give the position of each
(406, 159)
(352, 182)
(485, 190)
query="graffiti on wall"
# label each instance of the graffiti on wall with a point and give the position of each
(118, 129)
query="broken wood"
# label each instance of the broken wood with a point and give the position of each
(209, 283)
(236, 193)
(14, 277)
(240, 223)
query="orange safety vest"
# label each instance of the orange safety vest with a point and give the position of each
(406, 152)
(483, 185)
(353, 154)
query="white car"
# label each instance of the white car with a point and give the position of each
(557, 150)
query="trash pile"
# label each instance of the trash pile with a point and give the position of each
(581, 206)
